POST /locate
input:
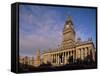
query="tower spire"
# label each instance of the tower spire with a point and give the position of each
(38, 52)
(68, 32)
(69, 20)
(38, 59)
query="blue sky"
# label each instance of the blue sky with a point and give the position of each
(41, 26)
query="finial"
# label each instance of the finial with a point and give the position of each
(78, 39)
(90, 39)
(38, 52)
(69, 18)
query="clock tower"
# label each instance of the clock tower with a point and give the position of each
(68, 33)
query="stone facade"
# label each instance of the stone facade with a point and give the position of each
(26, 60)
(70, 49)
(31, 60)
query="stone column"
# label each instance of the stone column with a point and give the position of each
(82, 53)
(59, 59)
(71, 53)
(77, 53)
(88, 51)
(65, 58)
(93, 54)
(68, 56)
(53, 58)
(74, 54)
(56, 59)
(85, 52)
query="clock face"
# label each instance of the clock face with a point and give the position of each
(67, 26)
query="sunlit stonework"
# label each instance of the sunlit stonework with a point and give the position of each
(70, 51)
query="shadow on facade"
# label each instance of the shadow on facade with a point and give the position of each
(87, 63)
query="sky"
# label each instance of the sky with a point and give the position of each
(40, 27)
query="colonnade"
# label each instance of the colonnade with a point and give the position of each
(83, 52)
(69, 56)
(62, 57)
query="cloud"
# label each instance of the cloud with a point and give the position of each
(45, 41)
(37, 31)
